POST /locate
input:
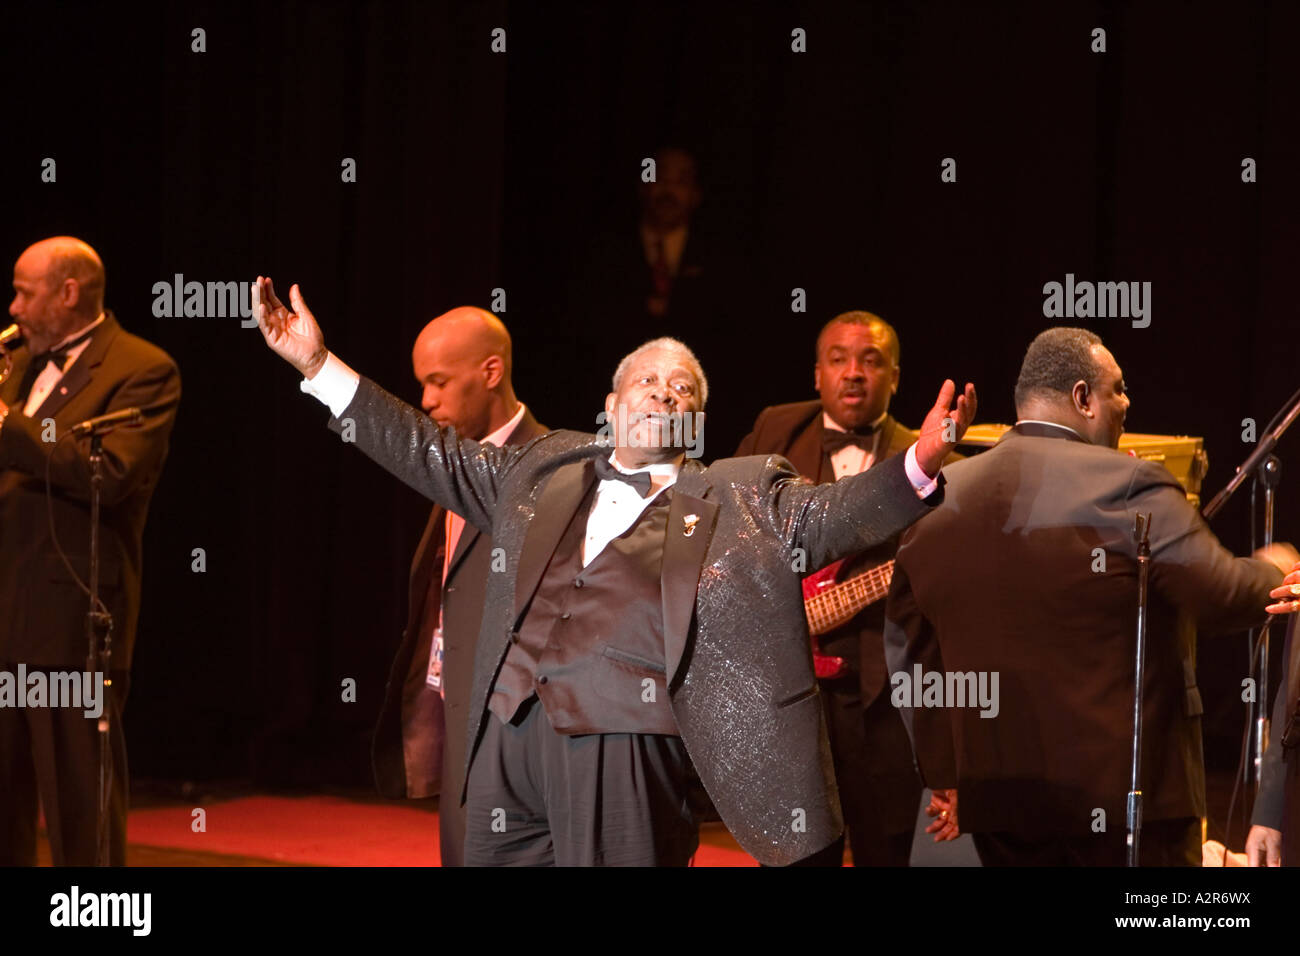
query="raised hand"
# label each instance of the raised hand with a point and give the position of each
(294, 336)
(944, 426)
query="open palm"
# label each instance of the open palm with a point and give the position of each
(294, 336)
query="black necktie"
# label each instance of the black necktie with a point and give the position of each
(833, 441)
(640, 480)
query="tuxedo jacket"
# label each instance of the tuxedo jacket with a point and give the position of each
(1277, 804)
(795, 431)
(44, 619)
(1029, 570)
(419, 742)
(738, 667)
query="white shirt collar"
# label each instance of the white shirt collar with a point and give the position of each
(499, 436)
(834, 426)
(81, 331)
(663, 469)
(1037, 421)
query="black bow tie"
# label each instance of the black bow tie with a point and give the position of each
(640, 480)
(60, 355)
(833, 441)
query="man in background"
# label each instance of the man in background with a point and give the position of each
(847, 430)
(462, 360)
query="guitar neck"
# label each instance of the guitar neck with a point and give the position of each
(834, 606)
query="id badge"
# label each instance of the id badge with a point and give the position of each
(434, 677)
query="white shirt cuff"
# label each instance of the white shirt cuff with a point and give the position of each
(335, 385)
(925, 485)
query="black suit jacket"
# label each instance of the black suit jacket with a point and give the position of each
(44, 618)
(1001, 579)
(419, 743)
(738, 666)
(795, 431)
(1277, 804)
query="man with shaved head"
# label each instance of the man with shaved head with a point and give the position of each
(75, 363)
(462, 360)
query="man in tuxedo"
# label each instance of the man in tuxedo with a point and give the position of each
(847, 430)
(1042, 615)
(664, 268)
(646, 625)
(462, 360)
(76, 363)
(1274, 838)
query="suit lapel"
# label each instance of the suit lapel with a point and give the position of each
(526, 430)
(82, 371)
(686, 541)
(468, 535)
(806, 452)
(555, 508)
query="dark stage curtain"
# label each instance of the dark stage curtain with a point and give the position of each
(479, 170)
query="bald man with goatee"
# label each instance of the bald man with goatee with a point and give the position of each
(75, 363)
(462, 360)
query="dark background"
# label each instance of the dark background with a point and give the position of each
(479, 170)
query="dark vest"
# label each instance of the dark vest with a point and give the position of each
(591, 645)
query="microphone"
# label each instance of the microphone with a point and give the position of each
(103, 423)
(10, 335)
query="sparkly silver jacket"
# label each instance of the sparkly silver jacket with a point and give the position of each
(740, 535)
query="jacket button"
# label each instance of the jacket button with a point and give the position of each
(543, 679)
(565, 616)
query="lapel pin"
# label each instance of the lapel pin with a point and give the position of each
(690, 521)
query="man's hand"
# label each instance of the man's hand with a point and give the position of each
(1290, 590)
(294, 336)
(943, 807)
(1264, 847)
(944, 427)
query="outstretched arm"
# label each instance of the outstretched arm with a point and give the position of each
(459, 474)
(853, 514)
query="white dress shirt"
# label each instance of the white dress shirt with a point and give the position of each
(852, 460)
(51, 375)
(618, 505)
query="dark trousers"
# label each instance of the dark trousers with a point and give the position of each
(49, 757)
(880, 791)
(1162, 843)
(539, 798)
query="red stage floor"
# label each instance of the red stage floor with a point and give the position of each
(315, 830)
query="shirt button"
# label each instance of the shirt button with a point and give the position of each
(543, 679)
(565, 616)
(577, 582)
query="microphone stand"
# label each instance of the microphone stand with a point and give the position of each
(99, 656)
(1142, 536)
(1265, 470)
